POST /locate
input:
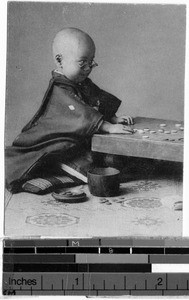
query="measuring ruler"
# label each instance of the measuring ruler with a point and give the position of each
(95, 267)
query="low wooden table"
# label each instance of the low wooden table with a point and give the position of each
(158, 145)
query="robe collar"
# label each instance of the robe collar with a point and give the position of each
(60, 78)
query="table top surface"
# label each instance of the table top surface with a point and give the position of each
(152, 138)
(153, 131)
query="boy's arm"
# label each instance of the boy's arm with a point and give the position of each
(115, 128)
(109, 105)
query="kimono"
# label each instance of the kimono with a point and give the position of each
(69, 115)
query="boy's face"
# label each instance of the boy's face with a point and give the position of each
(77, 62)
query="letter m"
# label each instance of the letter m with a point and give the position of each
(76, 244)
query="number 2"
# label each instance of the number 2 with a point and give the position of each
(159, 280)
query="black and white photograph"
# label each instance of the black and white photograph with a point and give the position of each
(94, 119)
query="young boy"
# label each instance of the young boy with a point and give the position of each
(73, 109)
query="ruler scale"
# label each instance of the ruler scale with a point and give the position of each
(96, 267)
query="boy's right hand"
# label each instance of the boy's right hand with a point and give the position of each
(120, 128)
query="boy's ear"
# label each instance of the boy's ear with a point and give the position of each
(58, 58)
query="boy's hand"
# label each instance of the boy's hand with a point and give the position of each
(120, 128)
(125, 120)
(115, 128)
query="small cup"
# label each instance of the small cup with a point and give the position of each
(104, 182)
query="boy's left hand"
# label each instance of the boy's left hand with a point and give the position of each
(125, 120)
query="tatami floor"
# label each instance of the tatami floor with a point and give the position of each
(145, 206)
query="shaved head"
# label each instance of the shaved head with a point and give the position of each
(73, 48)
(70, 39)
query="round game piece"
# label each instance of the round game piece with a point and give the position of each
(69, 197)
(182, 128)
(167, 131)
(145, 137)
(161, 130)
(146, 129)
(178, 125)
(163, 125)
(174, 131)
(140, 131)
(152, 131)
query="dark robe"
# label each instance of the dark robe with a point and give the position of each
(67, 118)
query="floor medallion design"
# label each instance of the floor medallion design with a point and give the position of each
(52, 220)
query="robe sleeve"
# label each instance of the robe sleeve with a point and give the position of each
(62, 115)
(109, 104)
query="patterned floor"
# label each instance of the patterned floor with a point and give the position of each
(142, 208)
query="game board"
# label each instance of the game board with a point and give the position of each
(152, 138)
